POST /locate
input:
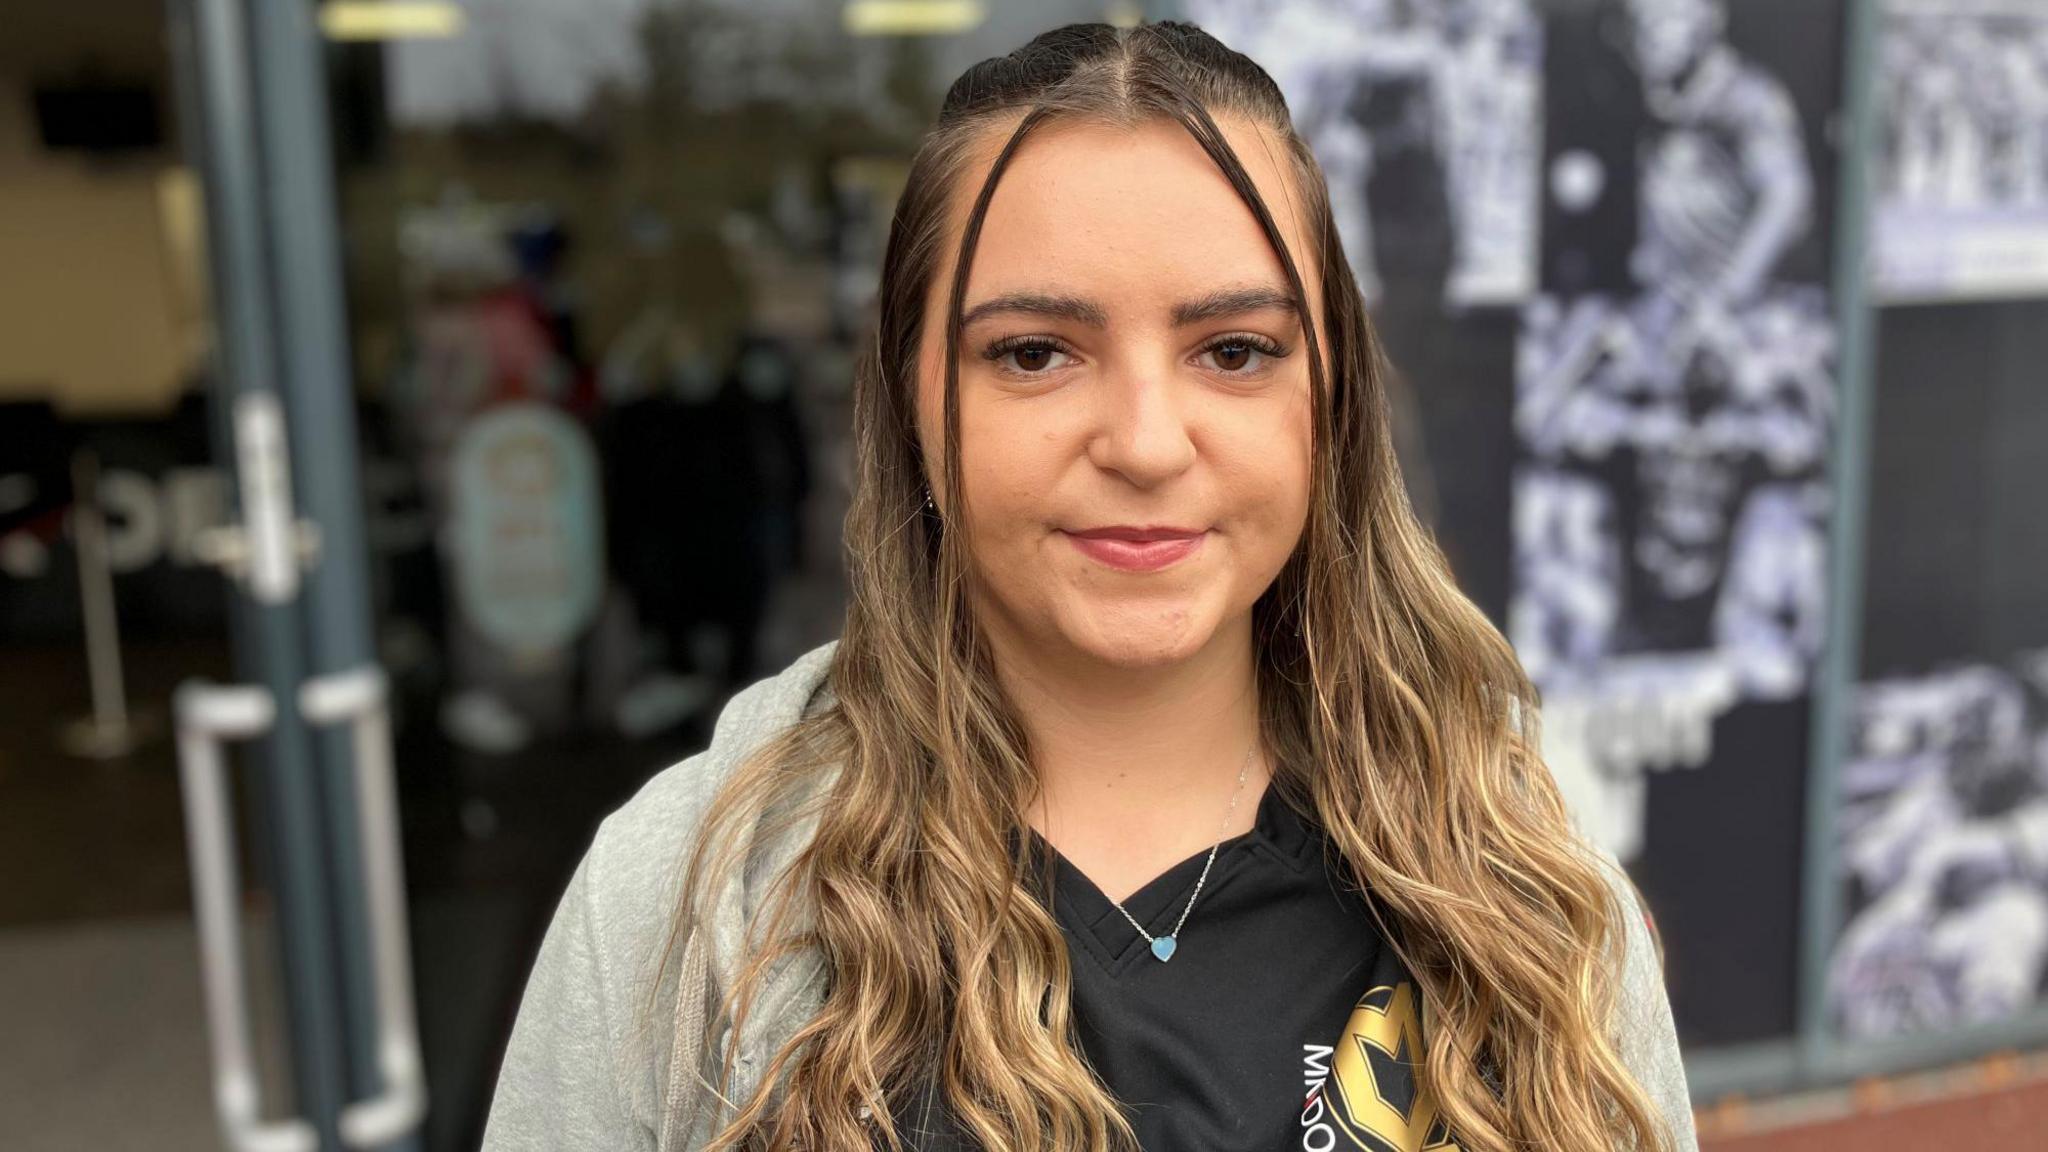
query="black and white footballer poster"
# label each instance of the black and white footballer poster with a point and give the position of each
(1962, 171)
(1941, 833)
(1943, 842)
(1674, 397)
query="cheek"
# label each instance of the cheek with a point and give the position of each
(1272, 459)
(1011, 463)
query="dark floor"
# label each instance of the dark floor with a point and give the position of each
(84, 839)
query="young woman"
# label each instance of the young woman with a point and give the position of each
(1163, 790)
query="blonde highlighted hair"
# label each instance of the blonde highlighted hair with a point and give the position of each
(1394, 709)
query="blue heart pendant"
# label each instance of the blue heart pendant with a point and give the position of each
(1163, 947)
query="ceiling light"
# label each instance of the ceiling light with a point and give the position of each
(913, 17)
(390, 19)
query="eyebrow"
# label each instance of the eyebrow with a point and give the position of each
(1081, 310)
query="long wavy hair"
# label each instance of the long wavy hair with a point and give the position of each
(1393, 708)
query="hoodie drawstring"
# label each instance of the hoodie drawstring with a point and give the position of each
(680, 1110)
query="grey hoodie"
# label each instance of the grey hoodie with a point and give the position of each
(588, 1064)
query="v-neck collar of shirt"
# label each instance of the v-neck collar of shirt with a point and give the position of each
(1086, 913)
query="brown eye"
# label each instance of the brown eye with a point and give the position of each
(1026, 357)
(1032, 358)
(1233, 357)
(1245, 357)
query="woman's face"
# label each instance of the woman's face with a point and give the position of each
(1135, 419)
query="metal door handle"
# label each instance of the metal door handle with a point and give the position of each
(207, 716)
(361, 696)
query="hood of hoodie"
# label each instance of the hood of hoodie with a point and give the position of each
(635, 872)
(748, 721)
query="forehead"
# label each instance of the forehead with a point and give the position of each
(1128, 214)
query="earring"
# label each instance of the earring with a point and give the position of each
(928, 499)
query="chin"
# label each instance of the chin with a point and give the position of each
(1159, 639)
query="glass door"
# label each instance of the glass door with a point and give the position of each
(203, 933)
(309, 695)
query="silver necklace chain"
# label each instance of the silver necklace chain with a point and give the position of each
(1171, 939)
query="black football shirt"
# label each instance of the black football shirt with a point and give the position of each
(1282, 1021)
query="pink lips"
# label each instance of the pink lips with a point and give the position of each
(1138, 549)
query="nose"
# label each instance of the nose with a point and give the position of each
(1140, 432)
